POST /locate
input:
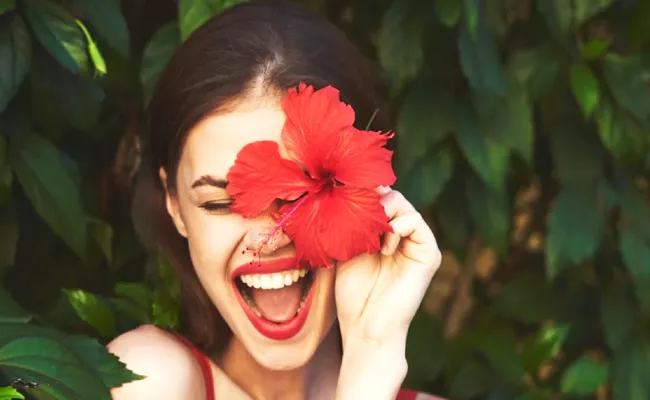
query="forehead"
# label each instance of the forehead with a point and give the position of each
(212, 146)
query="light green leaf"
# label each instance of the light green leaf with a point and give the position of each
(8, 237)
(425, 119)
(51, 189)
(618, 313)
(480, 62)
(106, 16)
(58, 32)
(627, 80)
(57, 370)
(92, 311)
(595, 48)
(576, 223)
(425, 349)
(571, 165)
(558, 15)
(10, 311)
(486, 155)
(631, 368)
(635, 242)
(220, 5)
(585, 9)
(621, 134)
(543, 346)
(191, 15)
(428, 178)
(93, 50)
(102, 233)
(584, 377)
(9, 393)
(15, 56)
(448, 11)
(585, 88)
(528, 299)
(156, 55)
(7, 5)
(490, 209)
(400, 42)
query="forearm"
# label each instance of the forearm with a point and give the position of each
(372, 369)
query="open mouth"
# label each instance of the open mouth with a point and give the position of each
(276, 296)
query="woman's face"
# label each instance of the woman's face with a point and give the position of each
(279, 310)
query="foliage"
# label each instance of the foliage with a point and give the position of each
(522, 133)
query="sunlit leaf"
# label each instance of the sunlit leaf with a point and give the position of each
(9, 393)
(543, 346)
(95, 55)
(191, 15)
(156, 55)
(584, 377)
(106, 16)
(585, 88)
(91, 310)
(595, 48)
(15, 56)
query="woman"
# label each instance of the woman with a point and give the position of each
(275, 328)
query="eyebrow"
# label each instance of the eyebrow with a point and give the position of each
(208, 180)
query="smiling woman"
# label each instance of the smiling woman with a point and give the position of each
(285, 293)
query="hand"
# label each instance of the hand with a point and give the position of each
(377, 295)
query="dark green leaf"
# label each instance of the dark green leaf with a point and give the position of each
(50, 187)
(400, 42)
(536, 68)
(584, 377)
(471, 12)
(585, 9)
(7, 5)
(220, 5)
(472, 380)
(626, 78)
(490, 209)
(543, 346)
(585, 88)
(58, 32)
(558, 15)
(57, 369)
(576, 224)
(528, 299)
(6, 175)
(15, 56)
(635, 242)
(10, 311)
(166, 296)
(571, 165)
(448, 11)
(8, 237)
(498, 345)
(91, 310)
(102, 233)
(537, 394)
(621, 134)
(595, 48)
(453, 218)
(618, 313)
(428, 178)
(9, 393)
(106, 16)
(486, 155)
(156, 55)
(191, 15)
(425, 349)
(138, 293)
(630, 370)
(480, 62)
(425, 118)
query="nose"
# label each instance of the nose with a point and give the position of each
(265, 237)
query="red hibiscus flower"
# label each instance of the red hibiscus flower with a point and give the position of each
(330, 208)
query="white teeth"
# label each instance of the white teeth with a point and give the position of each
(276, 280)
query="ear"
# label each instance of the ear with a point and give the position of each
(173, 208)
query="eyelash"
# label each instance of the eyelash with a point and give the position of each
(216, 207)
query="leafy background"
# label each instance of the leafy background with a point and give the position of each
(523, 137)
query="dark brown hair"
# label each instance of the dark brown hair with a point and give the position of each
(265, 44)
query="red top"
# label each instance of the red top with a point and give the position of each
(204, 363)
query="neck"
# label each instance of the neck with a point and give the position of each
(316, 379)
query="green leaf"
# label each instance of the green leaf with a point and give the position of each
(471, 13)
(400, 42)
(498, 345)
(537, 69)
(15, 57)
(528, 299)
(490, 209)
(585, 88)
(220, 5)
(425, 119)
(58, 32)
(10, 311)
(50, 187)
(9, 393)
(425, 349)
(618, 313)
(428, 178)
(92, 311)
(7, 5)
(584, 377)
(576, 224)
(95, 55)
(584, 165)
(452, 216)
(57, 370)
(166, 296)
(585, 9)
(480, 62)
(102, 233)
(6, 177)
(8, 238)
(135, 300)
(626, 79)
(191, 15)
(156, 55)
(473, 379)
(558, 15)
(448, 11)
(623, 136)
(106, 16)
(486, 155)
(543, 346)
(537, 394)
(595, 48)
(630, 370)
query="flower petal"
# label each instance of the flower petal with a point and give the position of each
(336, 223)
(260, 176)
(313, 119)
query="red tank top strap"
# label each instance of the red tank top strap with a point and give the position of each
(204, 363)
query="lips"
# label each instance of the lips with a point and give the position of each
(280, 290)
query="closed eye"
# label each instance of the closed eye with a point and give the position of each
(217, 207)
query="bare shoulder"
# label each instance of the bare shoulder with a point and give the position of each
(169, 367)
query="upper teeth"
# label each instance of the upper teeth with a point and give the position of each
(273, 281)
